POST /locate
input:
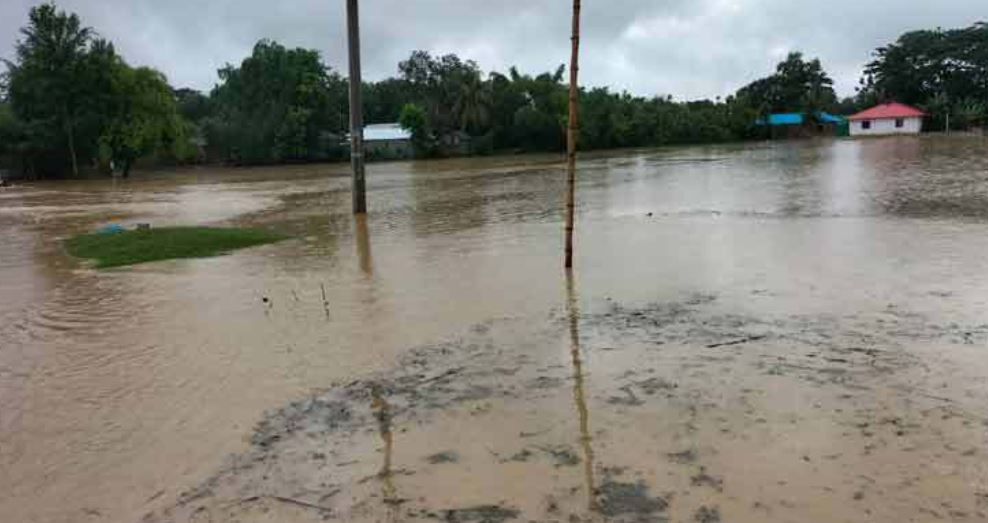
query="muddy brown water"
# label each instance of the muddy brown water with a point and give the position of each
(784, 332)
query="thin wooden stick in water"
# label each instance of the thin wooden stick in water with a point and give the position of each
(292, 501)
(325, 302)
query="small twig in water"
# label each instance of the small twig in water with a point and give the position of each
(441, 376)
(289, 501)
(325, 302)
(524, 434)
(736, 342)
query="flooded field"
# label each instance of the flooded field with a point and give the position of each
(768, 332)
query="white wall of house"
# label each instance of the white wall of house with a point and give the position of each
(887, 126)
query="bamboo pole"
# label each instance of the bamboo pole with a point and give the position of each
(571, 133)
(356, 110)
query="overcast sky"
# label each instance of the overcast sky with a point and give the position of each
(686, 48)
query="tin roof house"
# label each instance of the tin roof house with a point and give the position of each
(803, 125)
(887, 118)
(387, 141)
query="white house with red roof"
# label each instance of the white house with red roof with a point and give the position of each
(887, 118)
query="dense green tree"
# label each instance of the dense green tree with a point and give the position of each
(192, 105)
(276, 105)
(100, 74)
(413, 119)
(45, 86)
(507, 97)
(384, 100)
(11, 133)
(72, 98)
(798, 85)
(941, 70)
(938, 107)
(517, 111)
(967, 112)
(511, 111)
(472, 103)
(8, 128)
(451, 90)
(532, 110)
(612, 120)
(143, 119)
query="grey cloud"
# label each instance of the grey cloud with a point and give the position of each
(687, 48)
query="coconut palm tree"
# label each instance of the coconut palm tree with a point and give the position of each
(472, 103)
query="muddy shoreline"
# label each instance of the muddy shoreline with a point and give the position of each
(676, 411)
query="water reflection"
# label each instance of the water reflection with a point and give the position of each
(361, 235)
(382, 411)
(841, 182)
(579, 392)
(451, 200)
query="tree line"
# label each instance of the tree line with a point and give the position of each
(69, 96)
(945, 72)
(69, 102)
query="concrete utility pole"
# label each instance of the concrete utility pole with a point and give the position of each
(356, 110)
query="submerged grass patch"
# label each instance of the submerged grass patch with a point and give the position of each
(141, 246)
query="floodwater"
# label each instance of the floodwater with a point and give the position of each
(764, 332)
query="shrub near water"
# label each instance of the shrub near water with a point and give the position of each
(140, 246)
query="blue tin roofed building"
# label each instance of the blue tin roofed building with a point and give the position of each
(782, 119)
(803, 125)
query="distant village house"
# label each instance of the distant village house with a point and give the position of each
(803, 125)
(887, 118)
(387, 141)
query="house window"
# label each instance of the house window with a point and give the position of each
(866, 124)
(899, 122)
